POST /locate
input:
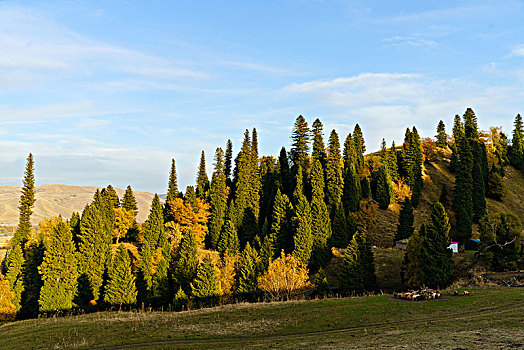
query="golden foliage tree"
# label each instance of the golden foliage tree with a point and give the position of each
(124, 220)
(285, 278)
(190, 218)
(7, 308)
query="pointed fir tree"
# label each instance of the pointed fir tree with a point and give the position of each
(349, 150)
(121, 288)
(14, 264)
(392, 162)
(129, 201)
(269, 177)
(351, 193)
(59, 271)
(463, 194)
(217, 199)
(172, 186)
(228, 241)
(367, 260)
(300, 144)
(410, 269)
(442, 138)
(249, 271)
(319, 149)
(303, 239)
(33, 256)
(458, 130)
(365, 187)
(186, 263)
(286, 180)
(517, 144)
(206, 285)
(351, 278)
(384, 189)
(360, 147)
(74, 223)
(478, 194)
(282, 222)
(190, 197)
(27, 201)
(254, 143)
(405, 221)
(436, 261)
(111, 195)
(104, 203)
(334, 182)
(470, 125)
(228, 159)
(320, 221)
(202, 180)
(340, 231)
(94, 250)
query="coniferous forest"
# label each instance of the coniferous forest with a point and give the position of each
(265, 227)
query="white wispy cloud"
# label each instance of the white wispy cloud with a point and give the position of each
(518, 50)
(413, 41)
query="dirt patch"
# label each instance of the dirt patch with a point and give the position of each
(443, 297)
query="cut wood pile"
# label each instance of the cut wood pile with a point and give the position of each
(424, 294)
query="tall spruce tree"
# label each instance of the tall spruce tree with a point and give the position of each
(340, 231)
(319, 149)
(14, 264)
(27, 201)
(186, 263)
(94, 250)
(190, 197)
(228, 240)
(351, 193)
(351, 279)
(517, 144)
(206, 286)
(463, 194)
(300, 144)
(217, 199)
(172, 185)
(129, 201)
(59, 271)
(110, 194)
(436, 261)
(286, 180)
(384, 189)
(367, 260)
(410, 269)
(254, 144)
(360, 148)
(303, 239)
(202, 180)
(405, 221)
(442, 138)
(392, 162)
(228, 159)
(479, 184)
(121, 288)
(334, 181)
(470, 125)
(458, 130)
(249, 271)
(33, 256)
(282, 222)
(320, 220)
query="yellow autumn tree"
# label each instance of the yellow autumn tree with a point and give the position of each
(191, 219)
(285, 278)
(124, 220)
(7, 308)
(45, 229)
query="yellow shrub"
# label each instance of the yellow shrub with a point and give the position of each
(7, 308)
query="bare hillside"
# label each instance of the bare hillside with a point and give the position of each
(53, 200)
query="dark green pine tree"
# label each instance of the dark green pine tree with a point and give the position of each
(340, 230)
(254, 143)
(269, 177)
(111, 195)
(478, 194)
(27, 201)
(300, 144)
(436, 261)
(249, 271)
(190, 197)
(303, 239)
(463, 194)
(14, 264)
(351, 279)
(217, 199)
(129, 200)
(282, 222)
(384, 189)
(206, 286)
(186, 263)
(367, 260)
(416, 146)
(458, 130)
(334, 181)
(94, 252)
(319, 149)
(442, 138)
(228, 159)
(320, 220)
(33, 256)
(228, 240)
(121, 288)
(405, 221)
(154, 249)
(392, 162)
(247, 192)
(172, 185)
(59, 271)
(352, 192)
(286, 180)
(349, 150)
(453, 164)
(470, 125)
(517, 144)
(202, 180)
(74, 223)
(104, 202)
(360, 147)
(410, 269)
(365, 187)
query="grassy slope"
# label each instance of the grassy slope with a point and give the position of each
(361, 322)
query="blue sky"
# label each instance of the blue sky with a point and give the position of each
(108, 92)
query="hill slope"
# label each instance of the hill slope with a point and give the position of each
(53, 200)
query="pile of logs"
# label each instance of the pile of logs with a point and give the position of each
(424, 294)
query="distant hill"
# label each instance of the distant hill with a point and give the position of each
(53, 200)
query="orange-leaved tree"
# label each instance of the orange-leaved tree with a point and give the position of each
(191, 219)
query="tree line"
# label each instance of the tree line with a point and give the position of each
(259, 221)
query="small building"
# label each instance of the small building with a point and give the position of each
(454, 246)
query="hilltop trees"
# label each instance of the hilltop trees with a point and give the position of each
(217, 199)
(27, 201)
(441, 135)
(129, 200)
(300, 144)
(202, 180)
(517, 144)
